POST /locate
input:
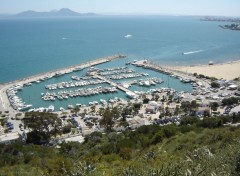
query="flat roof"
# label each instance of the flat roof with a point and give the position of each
(9, 137)
(235, 109)
(75, 139)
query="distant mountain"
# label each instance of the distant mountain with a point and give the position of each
(64, 12)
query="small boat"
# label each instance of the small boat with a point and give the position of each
(51, 108)
(25, 107)
(70, 106)
(78, 105)
(95, 102)
(103, 101)
(128, 36)
(28, 84)
(131, 95)
(210, 63)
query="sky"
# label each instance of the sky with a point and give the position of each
(171, 7)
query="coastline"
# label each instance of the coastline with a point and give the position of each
(227, 70)
(4, 101)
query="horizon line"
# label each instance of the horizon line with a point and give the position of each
(126, 13)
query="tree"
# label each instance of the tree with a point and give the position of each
(75, 109)
(215, 85)
(107, 120)
(193, 107)
(163, 99)
(157, 97)
(170, 98)
(127, 111)
(214, 106)
(101, 110)
(115, 112)
(93, 108)
(167, 111)
(145, 101)
(42, 126)
(206, 113)
(177, 109)
(235, 117)
(185, 105)
(230, 101)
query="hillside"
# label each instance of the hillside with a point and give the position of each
(193, 148)
(64, 12)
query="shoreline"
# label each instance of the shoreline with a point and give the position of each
(199, 69)
(226, 70)
(84, 65)
(4, 101)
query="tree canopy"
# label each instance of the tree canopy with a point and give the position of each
(42, 125)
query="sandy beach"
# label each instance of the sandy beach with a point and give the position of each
(228, 70)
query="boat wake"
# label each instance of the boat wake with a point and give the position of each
(128, 36)
(64, 38)
(192, 52)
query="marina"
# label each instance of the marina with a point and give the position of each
(10, 101)
(79, 92)
(94, 81)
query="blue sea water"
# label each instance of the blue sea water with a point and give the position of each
(31, 46)
(32, 94)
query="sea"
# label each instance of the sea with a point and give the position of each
(33, 46)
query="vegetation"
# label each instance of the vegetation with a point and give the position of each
(42, 126)
(204, 77)
(195, 147)
(232, 26)
(230, 101)
(215, 85)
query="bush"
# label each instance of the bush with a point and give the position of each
(94, 137)
(108, 149)
(126, 143)
(210, 123)
(145, 101)
(215, 85)
(125, 153)
(230, 101)
(66, 129)
(189, 120)
(157, 138)
(169, 131)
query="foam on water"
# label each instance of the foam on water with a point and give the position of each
(192, 52)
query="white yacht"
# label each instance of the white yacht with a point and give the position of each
(131, 95)
(128, 36)
(51, 108)
(70, 106)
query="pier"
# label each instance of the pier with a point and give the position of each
(5, 104)
(115, 85)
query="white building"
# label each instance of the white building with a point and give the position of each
(9, 138)
(235, 110)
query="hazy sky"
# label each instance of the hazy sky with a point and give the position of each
(181, 7)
